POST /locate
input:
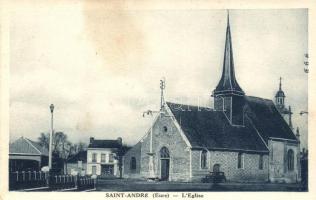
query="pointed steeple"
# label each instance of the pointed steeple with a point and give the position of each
(228, 82)
(280, 92)
(228, 95)
(280, 96)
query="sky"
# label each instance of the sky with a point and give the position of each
(101, 68)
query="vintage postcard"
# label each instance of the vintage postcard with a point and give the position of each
(153, 99)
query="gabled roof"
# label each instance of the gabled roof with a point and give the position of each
(105, 144)
(206, 128)
(27, 146)
(211, 129)
(267, 119)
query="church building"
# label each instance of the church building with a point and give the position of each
(243, 136)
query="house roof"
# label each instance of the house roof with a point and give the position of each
(27, 146)
(104, 144)
(206, 128)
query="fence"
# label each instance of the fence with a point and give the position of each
(27, 180)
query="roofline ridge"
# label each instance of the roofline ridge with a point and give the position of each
(30, 142)
(259, 98)
(191, 105)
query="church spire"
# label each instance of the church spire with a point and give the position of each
(228, 82)
(280, 96)
(228, 96)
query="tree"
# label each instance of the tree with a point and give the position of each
(119, 156)
(81, 146)
(44, 140)
(61, 147)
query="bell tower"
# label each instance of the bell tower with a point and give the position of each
(280, 105)
(280, 96)
(228, 95)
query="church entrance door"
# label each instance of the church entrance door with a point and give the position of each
(164, 163)
(165, 169)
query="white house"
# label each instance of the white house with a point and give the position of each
(102, 157)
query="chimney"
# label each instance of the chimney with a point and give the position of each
(91, 140)
(119, 140)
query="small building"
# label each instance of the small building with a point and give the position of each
(27, 155)
(103, 157)
(77, 164)
(243, 136)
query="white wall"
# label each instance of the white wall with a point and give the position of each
(98, 163)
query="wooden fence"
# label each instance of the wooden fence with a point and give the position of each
(26, 180)
(49, 182)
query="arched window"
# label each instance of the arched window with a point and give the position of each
(240, 160)
(164, 153)
(204, 159)
(290, 160)
(133, 163)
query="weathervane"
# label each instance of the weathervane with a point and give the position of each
(162, 87)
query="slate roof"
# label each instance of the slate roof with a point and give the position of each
(27, 146)
(206, 128)
(211, 129)
(104, 144)
(267, 119)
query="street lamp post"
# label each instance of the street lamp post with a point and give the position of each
(51, 137)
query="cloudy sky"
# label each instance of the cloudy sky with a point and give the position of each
(101, 68)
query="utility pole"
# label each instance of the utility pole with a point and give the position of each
(51, 137)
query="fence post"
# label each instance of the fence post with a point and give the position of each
(75, 179)
(17, 176)
(23, 175)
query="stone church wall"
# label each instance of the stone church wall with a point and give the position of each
(135, 151)
(166, 134)
(278, 162)
(228, 161)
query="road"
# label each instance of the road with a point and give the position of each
(143, 185)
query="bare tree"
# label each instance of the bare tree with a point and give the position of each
(44, 140)
(61, 146)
